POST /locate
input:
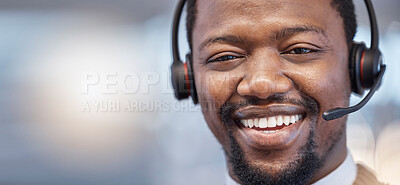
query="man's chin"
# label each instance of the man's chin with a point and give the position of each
(257, 169)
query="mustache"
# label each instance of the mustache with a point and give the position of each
(306, 101)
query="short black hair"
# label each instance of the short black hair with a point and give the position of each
(344, 7)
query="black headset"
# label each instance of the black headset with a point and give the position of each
(365, 66)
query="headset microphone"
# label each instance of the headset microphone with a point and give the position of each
(366, 69)
(339, 112)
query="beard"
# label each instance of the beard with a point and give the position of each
(299, 171)
(296, 172)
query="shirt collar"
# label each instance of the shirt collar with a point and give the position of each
(344, 174)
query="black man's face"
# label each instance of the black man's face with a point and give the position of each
(269, 69)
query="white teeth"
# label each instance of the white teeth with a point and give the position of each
(256, 122)
(244, 122)
(271, 122)
(279, 121)
(269, 131)
(292, 119)
(263, 123)
(250, 122)
(286, 120)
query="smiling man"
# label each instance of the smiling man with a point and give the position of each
(265, 71)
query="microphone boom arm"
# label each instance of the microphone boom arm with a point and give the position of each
(339, 112)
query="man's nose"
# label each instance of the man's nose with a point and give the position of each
(264, 77)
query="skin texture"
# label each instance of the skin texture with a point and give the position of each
(260, 66)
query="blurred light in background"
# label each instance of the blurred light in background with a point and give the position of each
(46, 137)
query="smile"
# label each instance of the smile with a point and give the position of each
(273, 126)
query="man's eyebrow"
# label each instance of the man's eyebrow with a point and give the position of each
(277, 35)
(229, 39)
(287, 32)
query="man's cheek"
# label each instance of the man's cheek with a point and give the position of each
(328, 85)
(311, 83)
(215, 87)
(311, 86)
(213, 92)
(334, 90)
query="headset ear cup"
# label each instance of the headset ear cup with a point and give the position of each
(179, 82)
(370, 67)
(355, 58)
(192, 85)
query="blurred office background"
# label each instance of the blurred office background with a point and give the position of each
(51, 132)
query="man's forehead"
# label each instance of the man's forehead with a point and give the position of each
(240, 6)
(221, 16)
(258, 8)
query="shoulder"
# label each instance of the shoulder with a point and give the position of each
(366, 176)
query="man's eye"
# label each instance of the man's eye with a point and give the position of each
(298, 51)
(223, 58)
